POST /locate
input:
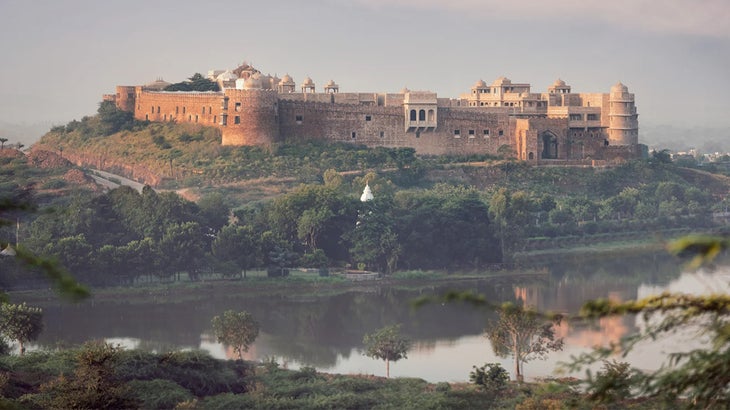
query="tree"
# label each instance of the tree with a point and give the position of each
(236, 329)
(21, 323)
(699, 376)
(2, 142)
(387, 344)
(195, 83)
(239, 245)
(523, 334)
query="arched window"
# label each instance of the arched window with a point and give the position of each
(431, 116)
(531, 156)
(413, 115)
(422, 115)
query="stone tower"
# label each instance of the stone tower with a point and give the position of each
(623, 123)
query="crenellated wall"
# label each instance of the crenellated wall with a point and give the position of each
(577, 127)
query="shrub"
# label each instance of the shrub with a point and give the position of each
(53, 184)
(158, 393)
(491, 377)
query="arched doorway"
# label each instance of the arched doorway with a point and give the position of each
(549, 146)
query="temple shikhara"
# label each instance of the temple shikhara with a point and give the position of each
(556, 126)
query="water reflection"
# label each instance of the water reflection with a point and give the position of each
(326, 331)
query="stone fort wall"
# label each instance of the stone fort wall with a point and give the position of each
(459, 131)
(262, 117)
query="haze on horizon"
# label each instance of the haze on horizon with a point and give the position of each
(60, 57)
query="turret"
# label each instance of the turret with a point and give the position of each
(126, 97)
(623, 125)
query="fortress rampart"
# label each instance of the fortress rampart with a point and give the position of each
(259, 110)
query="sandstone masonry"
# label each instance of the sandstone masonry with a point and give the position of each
(550, 127)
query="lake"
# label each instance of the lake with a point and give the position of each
(325, 331)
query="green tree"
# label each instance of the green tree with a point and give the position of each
(2, 142)
(386, 344)
(195, 83)
(20, 323)
(112, 119)
(236, 329)
(239, 245)
(524, 334)
(182, 249)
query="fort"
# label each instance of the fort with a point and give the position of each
(557, 126)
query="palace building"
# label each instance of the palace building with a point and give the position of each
(555, 126)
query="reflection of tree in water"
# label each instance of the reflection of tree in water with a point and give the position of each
(317, 330)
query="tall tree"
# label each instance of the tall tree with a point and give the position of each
(236, 329)
(524, 334)
(21, 323)
(387, 344)
(2, 142)
(239, 245)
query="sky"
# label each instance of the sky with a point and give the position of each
(58, 57)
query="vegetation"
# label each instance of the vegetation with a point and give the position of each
(98, 375)
(236, 329)
(20, 323)
(195, 83)
(491, 377)
(387, 344)
(523, 334)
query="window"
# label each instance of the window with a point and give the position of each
(471, 132)
(153, 109)
(354, 134)
(422, 115)
(368, 118)
(196, 117)
(146, 117)
(299, 119)
(210, 110)
(576, 117)
(203, 112)
(413, 115)
(501, 132)
(236, 119)
(457, 133)
(130, 95)
(486, 133)
(215, 119)
(183, 110)
(177, 110)
(382, 134)
(418, 134)
(165, 118)
(593, 117)
(431, 116)
(238, 106)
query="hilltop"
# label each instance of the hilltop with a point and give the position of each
(191, 157)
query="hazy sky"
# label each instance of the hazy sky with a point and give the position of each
(59, 57)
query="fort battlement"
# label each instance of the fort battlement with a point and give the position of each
(253, 109)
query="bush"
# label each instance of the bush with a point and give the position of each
(491, 377)
(54, 184)
(158, 393)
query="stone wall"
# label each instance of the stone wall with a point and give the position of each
(253, 117)
(200, 108)
(458, 131)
